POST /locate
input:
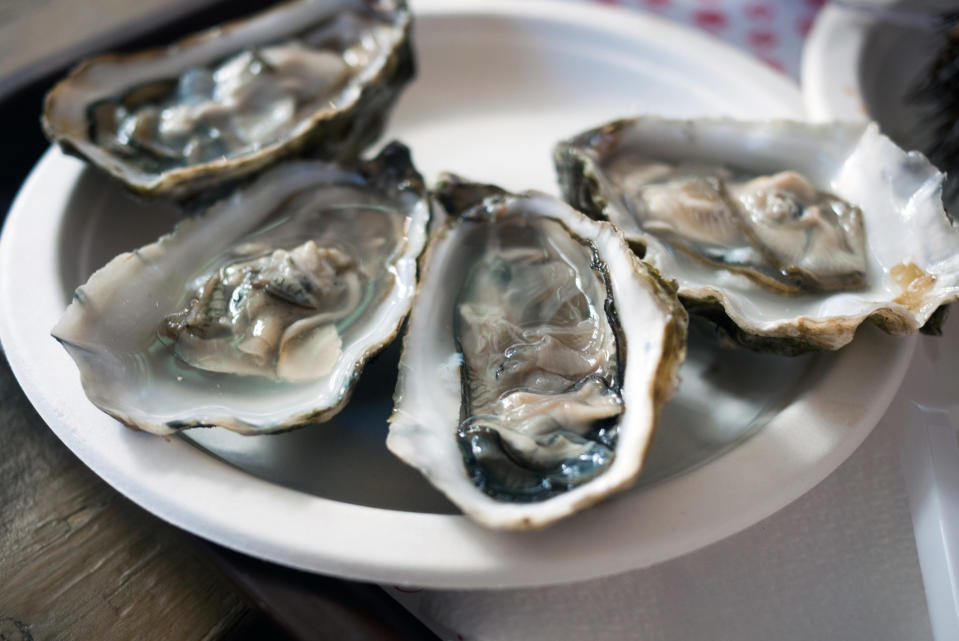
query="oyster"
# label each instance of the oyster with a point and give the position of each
(785, 235)
(311, 74)
(259, 314)
(538, 355)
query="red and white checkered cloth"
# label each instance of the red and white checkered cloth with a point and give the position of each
(772, 30)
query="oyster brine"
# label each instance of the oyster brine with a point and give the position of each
(784, 235)
(536, 359)
(316, 75)
(258, 314)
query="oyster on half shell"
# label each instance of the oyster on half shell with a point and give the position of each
(537, 357)
(786, 236)
(258, 314)
(316, 75)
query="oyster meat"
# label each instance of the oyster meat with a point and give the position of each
(554, 349)
(777, 230)
(784, 235)
(258, 314)
(317, 74)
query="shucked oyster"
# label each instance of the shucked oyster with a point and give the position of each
(538, 355)
(777, 230)
(785, 235)
(259, 314)
(318, 74)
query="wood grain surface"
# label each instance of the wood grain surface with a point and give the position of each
(79, 561)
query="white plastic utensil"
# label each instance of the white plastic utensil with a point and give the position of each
(930, 466)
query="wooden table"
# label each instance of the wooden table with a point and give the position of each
(79, 561)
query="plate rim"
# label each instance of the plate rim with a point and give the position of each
(416, 548)
(829, 69)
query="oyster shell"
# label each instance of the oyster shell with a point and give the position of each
(538, 355)
(785, 235)
(311, 74)
(258, 314)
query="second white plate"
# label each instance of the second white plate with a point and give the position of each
(499, 83)
(862, 63)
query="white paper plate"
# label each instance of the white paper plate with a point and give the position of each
(499, 83)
